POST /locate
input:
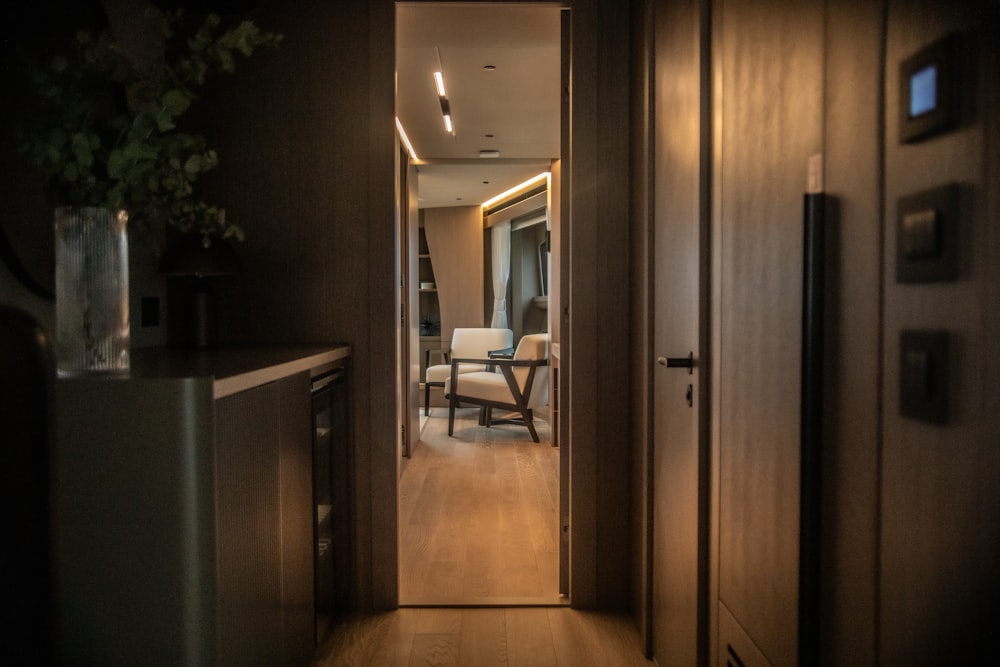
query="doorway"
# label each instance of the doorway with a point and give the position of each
(514, 478)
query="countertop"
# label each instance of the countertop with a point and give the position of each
(235, 368)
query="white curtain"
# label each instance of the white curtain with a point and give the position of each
(501, 272)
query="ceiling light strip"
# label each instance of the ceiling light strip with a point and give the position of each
(443, 100)
(406, 140)
(517, 188)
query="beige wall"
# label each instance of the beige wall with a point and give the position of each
(455, 240)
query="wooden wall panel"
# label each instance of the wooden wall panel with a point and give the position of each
(853, 173)
(640, 317)
(939, 572)
(771, 68)
(307, 168)
(455, 240)
(597, 235)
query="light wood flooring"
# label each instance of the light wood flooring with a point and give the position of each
(515, 637)
(479, 515)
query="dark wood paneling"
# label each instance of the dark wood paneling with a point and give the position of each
(306, 144)
(640, 314)
(771, 68)
(853, 175)
(940, 528)
(598, 298)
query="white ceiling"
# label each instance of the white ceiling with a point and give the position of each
(517, 103)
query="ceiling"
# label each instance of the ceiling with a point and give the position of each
(513, 108)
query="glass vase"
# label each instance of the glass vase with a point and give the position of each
(92, 319)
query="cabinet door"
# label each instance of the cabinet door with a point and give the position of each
(248, 533)
(264, 525)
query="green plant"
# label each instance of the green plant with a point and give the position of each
(108, 132)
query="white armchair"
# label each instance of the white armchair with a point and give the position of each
(466, 343)
(521, 384)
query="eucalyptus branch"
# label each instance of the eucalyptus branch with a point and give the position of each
(108, 133)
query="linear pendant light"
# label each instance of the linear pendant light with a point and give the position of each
(443, 96)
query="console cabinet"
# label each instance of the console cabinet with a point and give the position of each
(185, 510)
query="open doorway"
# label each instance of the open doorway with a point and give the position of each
(448, 554)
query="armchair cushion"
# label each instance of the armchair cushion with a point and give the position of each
(466, 342)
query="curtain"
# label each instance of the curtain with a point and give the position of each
(501, 272)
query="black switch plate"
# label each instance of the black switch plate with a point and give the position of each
(927, 236)
(923, 375)
(150, 315)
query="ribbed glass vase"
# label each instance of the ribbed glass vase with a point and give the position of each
(92, 319)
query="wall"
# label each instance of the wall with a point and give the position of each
(307, 168)
(909, 530)
(939, 575)
(595, 246)
(455, 240)
(853, 139)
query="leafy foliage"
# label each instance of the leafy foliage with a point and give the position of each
(108, 132)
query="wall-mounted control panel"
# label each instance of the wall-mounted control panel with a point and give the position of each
(927, 235)
(923, 375)
(928, 90)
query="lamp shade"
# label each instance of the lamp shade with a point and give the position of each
(189, 256)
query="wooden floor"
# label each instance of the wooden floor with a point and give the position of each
(479, 530)
(479, 515)
(522, 636)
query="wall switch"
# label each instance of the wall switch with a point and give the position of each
(927, 236)
(150, 311)
(923, 375)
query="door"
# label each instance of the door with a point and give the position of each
(680, 335)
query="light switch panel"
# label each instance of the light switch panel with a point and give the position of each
(927, 236)
(923, 375)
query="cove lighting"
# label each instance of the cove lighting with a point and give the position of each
(406, 140)
(517, 188)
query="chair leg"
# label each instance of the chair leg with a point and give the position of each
(529, 421)
(427, 399)
(451, 413)
(482, 415)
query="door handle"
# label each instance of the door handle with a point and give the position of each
(678, 362)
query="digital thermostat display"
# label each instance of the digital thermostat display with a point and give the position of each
(928, 84)
(923, 91)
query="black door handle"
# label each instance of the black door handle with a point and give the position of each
(678, 362)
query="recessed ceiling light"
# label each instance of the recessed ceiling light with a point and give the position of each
(488, 136)
(489, 68)
(489, 153)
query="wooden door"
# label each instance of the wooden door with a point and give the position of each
(680, 336)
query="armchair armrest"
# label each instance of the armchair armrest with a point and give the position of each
(443, 352)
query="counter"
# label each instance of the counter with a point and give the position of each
(184, 508)
(235, 369)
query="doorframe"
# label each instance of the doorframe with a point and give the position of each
(583, 585)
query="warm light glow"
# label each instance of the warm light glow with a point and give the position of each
(517, 188)
(447, 123)
(439, 81)
(406, 140)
